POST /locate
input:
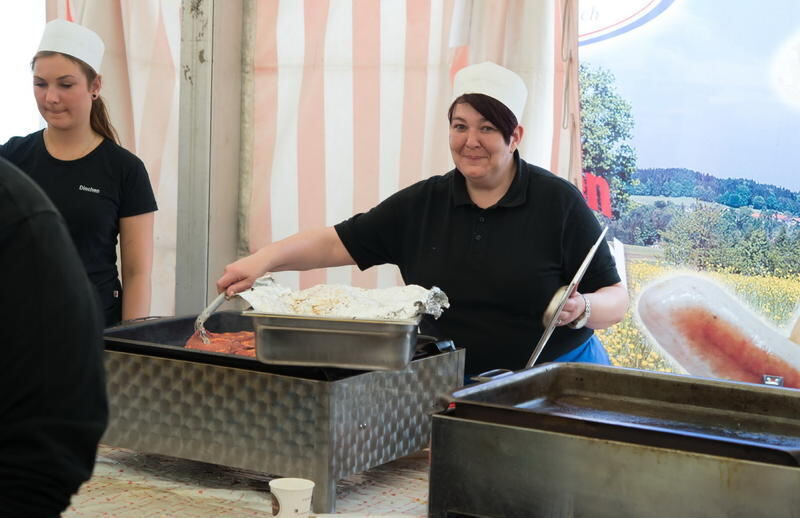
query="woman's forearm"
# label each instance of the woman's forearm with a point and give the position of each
(136, 251)
(317, 248)
(310, 249)
(608, 306)
(135, 295)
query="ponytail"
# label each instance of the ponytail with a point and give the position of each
(100, 122)
(98, 117)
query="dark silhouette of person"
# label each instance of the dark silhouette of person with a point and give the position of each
(53, 403)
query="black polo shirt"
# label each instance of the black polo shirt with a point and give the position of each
(499, 266)
(92, 193)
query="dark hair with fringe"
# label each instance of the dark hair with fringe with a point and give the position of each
(98, 118)
(492, 110)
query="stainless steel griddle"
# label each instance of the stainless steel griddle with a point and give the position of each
(321, 423)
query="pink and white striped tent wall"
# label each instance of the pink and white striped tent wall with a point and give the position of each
(140, 86)
(350, 100)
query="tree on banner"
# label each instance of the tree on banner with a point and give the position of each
(609, 160)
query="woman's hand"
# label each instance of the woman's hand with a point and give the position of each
(240, 275)
(316, 248)
(609, 305)
(573, 309)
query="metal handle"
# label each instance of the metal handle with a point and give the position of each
(137, 320)
(771, 379)
(492, 375)
(202, 317)
(550, 318)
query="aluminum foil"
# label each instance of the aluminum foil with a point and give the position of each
(332, 300)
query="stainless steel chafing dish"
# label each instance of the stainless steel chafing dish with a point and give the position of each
(586, 440)
(317, 422)
(339, 326)
(334, 342)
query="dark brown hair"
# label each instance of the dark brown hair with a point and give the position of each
(98, 118)
(491, 109)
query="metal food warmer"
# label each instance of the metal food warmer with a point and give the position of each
(319, 423)
(586, 440)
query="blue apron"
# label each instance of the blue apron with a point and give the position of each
(591, 351)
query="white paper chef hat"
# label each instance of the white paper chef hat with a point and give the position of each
(73, 39)
(490, 79)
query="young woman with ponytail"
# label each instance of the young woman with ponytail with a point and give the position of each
(102, 190)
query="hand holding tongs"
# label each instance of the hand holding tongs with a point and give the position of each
(200, 329)
(550, 317)
(202, 317)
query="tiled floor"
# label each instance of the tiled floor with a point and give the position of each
(127, 483)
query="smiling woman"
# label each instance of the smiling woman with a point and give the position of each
(482, 150)
(497, 235)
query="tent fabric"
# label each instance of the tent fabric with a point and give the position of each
(349, 103)
(140, 87)
(345, 101)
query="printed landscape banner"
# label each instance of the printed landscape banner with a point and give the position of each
(690, 115)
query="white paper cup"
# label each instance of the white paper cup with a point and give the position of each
(291, 497)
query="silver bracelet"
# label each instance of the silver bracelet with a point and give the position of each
(580, 322)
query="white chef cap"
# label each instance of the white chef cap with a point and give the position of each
(497, 82)
(75, 40)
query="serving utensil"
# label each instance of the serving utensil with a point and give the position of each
(550, 317)
(202, 317)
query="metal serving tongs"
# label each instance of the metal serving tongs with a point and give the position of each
(550, 317)
(199, 327)
(202, 317)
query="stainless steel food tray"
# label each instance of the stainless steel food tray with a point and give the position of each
(731, 419)
(589, 440)
(334, 342)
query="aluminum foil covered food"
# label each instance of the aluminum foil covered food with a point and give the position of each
(330, 300)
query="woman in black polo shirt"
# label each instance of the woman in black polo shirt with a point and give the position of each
(497, 234)
(101, 189)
